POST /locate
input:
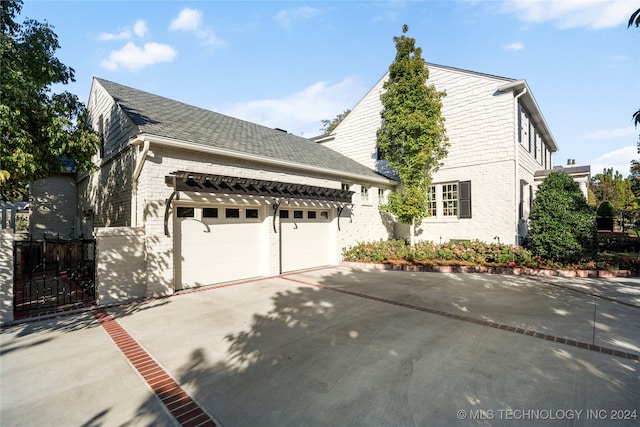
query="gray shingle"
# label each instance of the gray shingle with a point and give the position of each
(165, 117)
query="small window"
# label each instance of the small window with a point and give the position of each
(209, 212)
(345, 186)
(284, 213)
(364, 193)
(184, 212)
(311, 214)
(101, 134)
(298, 214)
(252, 213)
(381, 196)
(232, 213)
(324, 215)
(433, 204)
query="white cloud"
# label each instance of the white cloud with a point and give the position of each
(595, 14)
(187, 20)
(301, 113)
(286, 17)
(609, 134)
(619, 160)
(140, 28)
(513, 46)
(133, 57)
(123, 35)
(191, 20)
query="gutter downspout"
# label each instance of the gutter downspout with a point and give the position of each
(136, 174)
(516, 175)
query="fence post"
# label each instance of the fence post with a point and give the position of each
(6, 276)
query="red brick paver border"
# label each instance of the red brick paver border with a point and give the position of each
(508, 328)
(178, 403)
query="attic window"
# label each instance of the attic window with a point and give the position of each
(101, 134)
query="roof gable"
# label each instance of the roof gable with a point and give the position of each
(164, 117)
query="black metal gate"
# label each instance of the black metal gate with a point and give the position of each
(52, 274)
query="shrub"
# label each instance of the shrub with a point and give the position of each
(562, 225)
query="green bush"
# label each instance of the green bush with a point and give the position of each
(605, 209)
(477, 254)
(562, 225)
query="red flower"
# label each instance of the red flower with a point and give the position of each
(512, 264)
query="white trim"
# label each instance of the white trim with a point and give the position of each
(175, 143)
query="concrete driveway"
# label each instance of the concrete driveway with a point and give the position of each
(338, 346)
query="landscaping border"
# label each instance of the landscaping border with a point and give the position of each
(516, 271)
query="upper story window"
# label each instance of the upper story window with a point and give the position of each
(382, 196)
(345, 186)
(520, 112)
(101, 134)
(364, 193)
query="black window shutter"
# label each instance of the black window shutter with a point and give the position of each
(465, 199)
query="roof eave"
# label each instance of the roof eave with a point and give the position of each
(185, 145)
(534, 110)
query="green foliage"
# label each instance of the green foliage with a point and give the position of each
(562, 225)
(475, 253)
(605, 209)
(428, 253)
(329, 125)
(41, 131)
(412, 138)
(614, 188)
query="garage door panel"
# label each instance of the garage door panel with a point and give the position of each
(214, 250)
(305, 244)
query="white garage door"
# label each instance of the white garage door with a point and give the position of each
(306, 239)
(219, 244)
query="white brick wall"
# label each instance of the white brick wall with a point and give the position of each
(6, 276)
(364, 224)
(482, 133)
(120, 264)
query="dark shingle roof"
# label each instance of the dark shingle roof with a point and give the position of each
(165, 117)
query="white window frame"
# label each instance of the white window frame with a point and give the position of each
(364, 193)
(450, 200)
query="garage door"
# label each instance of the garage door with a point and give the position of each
(305, 239)
(219, 244)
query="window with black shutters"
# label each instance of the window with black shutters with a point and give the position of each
(465, 199)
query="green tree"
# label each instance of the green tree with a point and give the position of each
(412, 138)
(562, 224)
(329, 125)
(613, 188)
(40, 132)
(635, 164)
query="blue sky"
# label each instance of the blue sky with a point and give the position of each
(290, 64)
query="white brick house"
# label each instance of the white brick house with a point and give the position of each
(213, 199)
(498, 141)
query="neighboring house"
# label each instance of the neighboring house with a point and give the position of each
(221, 199)
(54, 202)
(499, 141)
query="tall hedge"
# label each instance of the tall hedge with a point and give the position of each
(562, 224)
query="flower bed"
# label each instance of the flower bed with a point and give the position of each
(474, 255)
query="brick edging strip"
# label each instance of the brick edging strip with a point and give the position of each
(508, 328)
(516, 271)
(177, 402)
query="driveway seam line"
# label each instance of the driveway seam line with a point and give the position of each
(122, 339)
(592, 294)
(488, 323)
